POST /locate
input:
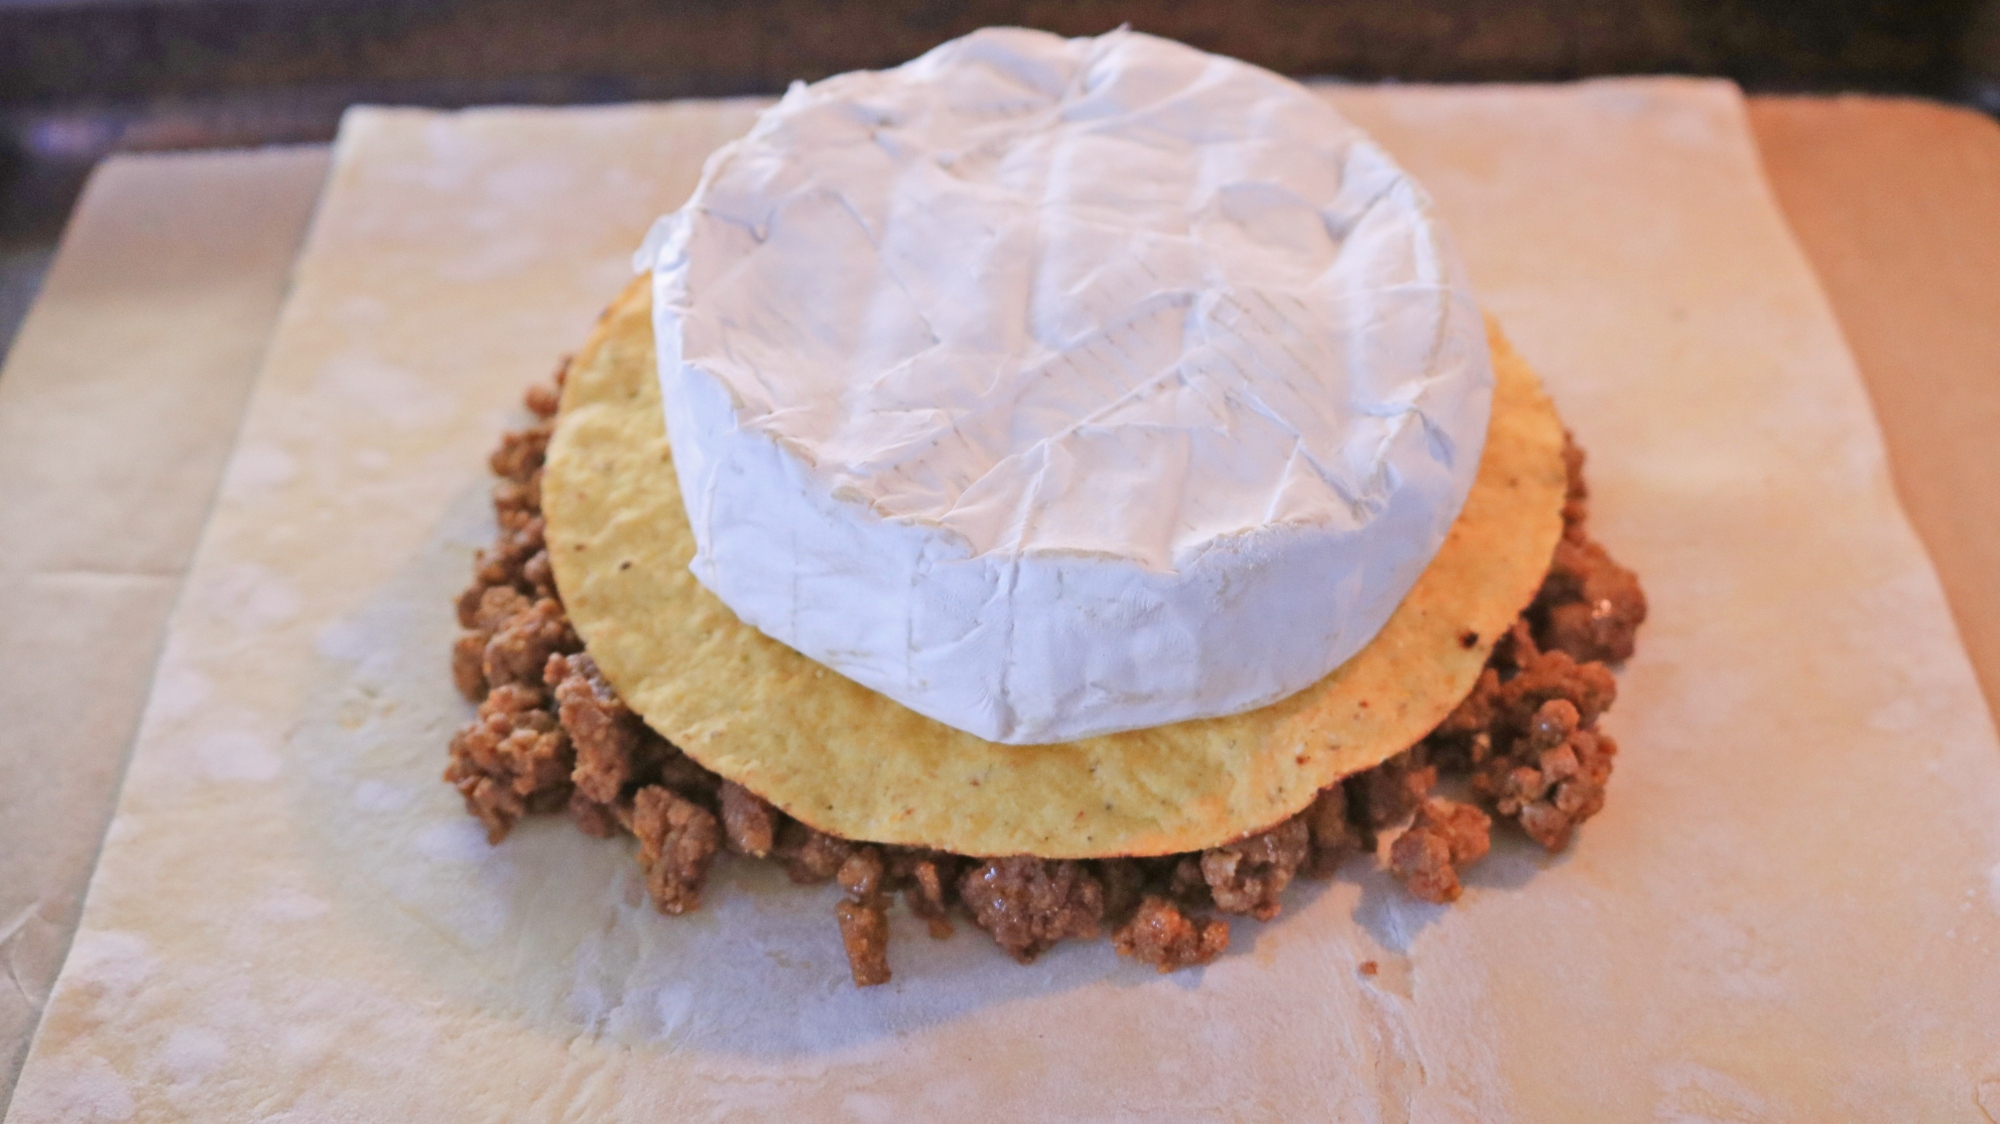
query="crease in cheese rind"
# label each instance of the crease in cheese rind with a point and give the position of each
(1054, 388)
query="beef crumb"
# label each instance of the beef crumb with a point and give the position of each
(1332, 837)
(678, 771)
(748, 822)
(544, 398)
(864, 922)
(864, 876)
(1589, 605)
(810, 856)
(483, 608)
(521, 452)
(519, 649)
(599, 821)
(864, 931)
(1029, 904)
(1248, 876)
(517, 503)
(677, 841)
(510, 760)
(468, 666)
(1554, 675)
(608, 737)
(1159, 934)
(1186, 884)
(1446, 837)
(1552, 777)
(1576, 498)
(928, 879)
(1124, 882)
(505, 562)
(537, 575)
(1387, 793)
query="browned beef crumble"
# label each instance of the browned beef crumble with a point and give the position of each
(513, 758)
(748, 823)
(1248, 875)
(864, 931)
(810, 856)
(1159, 934)
(677, 841)
(610, 741)
(551, 735)
(1028, 904)
(1445, 837)
(1333, 837)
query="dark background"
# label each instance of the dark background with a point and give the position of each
(82, 78)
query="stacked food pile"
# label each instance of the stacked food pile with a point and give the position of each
(1066, 483)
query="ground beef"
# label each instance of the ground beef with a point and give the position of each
(1446, 837)
(505, 562)
(511, 759)
(600, 821)
(748, 823)
(864, 922)
(1576, 498)
(468, 665)
(1332, 838)
(521, 453)
(1589, 606)
(610, 740)
(1159, 934)
(1124, 882)
(1389, 792)
(1186, 884)
(517, 503)
(863, 876)
(810, 856)
(1552, 777)
(677, 841)
(1554, 675)
(537, 575)
(1029, 904)
(482, 609)
(864, 931)
(543, 399)
(519, 650)
(682, 773)
(1247, 876)
(928, 879)
(551, 734)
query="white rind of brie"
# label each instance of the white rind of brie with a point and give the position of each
(1059, 387)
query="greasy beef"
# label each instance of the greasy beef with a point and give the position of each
(677, 841)
(1161, 935)
(1028, 904)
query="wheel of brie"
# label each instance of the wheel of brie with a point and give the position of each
(1055, 388)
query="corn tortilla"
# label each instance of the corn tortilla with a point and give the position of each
(853, 763)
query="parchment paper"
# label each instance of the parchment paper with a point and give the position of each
(1789, 910)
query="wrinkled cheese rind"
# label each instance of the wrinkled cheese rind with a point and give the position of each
(849, 761)
(1060, 387)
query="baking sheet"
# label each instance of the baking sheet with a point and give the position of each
(292, 916)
